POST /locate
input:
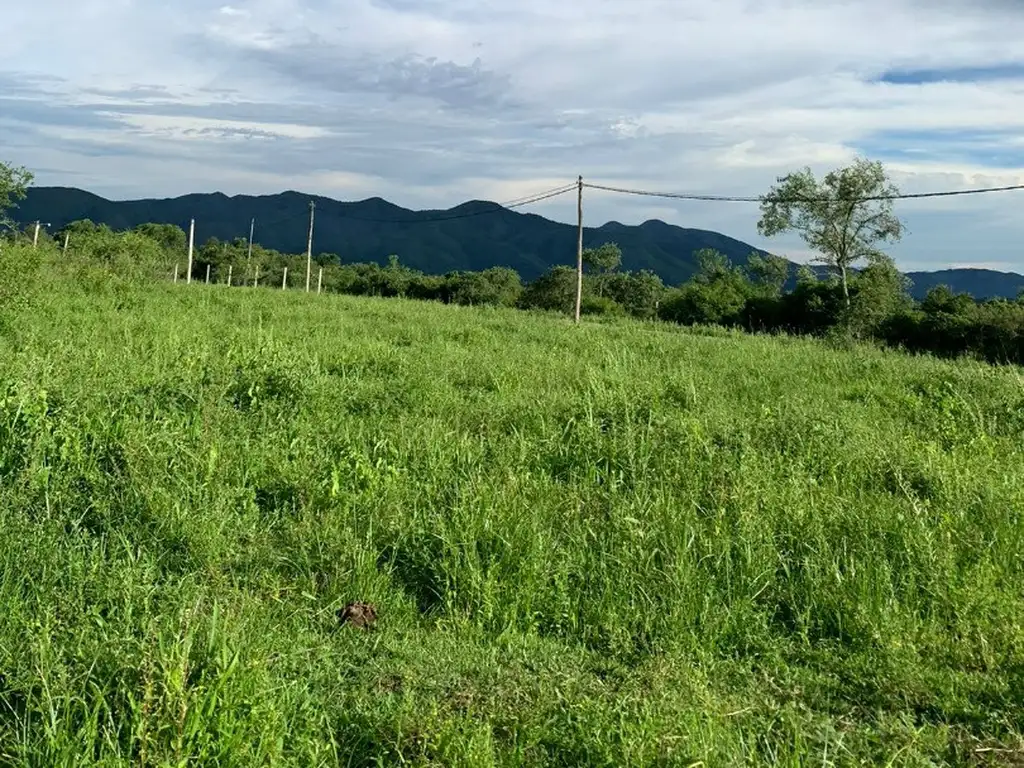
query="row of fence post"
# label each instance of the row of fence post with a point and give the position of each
(256, 277)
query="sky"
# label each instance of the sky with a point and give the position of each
(429, 103)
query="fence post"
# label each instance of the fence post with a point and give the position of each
(191, 244)
(579, 248)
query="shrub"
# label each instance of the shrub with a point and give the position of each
(601, 305)
(555, 290)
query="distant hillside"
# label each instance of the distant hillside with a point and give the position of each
(980, 283)
(472, 236)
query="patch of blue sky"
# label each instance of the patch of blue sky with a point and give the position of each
(995, 149)
(1008, 71)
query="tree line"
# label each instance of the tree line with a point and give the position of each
(844, 217)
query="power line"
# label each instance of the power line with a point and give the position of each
(750, 199)
(518, 202)
(498, 207)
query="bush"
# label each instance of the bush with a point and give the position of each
(704, 304)
(639, 293)
(19, 272)
(601, 305)
(555, 290)
(428, 288)
(497, 286)
(132, 256)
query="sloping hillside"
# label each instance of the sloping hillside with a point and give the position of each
(474, 235)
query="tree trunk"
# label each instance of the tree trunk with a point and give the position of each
(846, 287)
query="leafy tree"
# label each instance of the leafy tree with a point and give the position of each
(223, 257)
(497, 286)
(374, 280)
(14, 184)
(942, 300)
(370, 279)
(835, 215)
(880, 291)
(554, 290)
(769, 273)
(169, 236)
(605, 258)
(697, 304)
(714, 265)
(425, 287)
(639, 293)
(805, 275)
(82, 228)
(716, 295)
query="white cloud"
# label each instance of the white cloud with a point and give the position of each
(431, 102)
(202, 129)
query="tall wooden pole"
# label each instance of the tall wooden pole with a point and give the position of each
(67, 237)
(309, 245)
(319, 281)
(207, 274)
(35, 237)
(191, 245)
(284, 280)
(579, 247)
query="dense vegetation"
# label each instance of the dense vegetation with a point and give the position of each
(360, 233)
(469, 237)
(752, 297)
(614, 544)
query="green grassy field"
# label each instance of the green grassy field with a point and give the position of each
(616, 544)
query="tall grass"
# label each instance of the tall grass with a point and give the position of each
(618, 544)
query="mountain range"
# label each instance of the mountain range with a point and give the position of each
(471, 236)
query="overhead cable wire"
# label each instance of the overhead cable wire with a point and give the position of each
(497, 208)
(750, 199)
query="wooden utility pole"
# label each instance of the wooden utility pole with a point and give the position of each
(35, 237)
(284, 280)
(309, 244)
(191, 245)
(319, 281)
(579, 247)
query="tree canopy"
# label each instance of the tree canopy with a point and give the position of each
(606, 257)
(844, 217)
(14, 184)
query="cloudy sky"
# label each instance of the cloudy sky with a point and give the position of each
(432, 102)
